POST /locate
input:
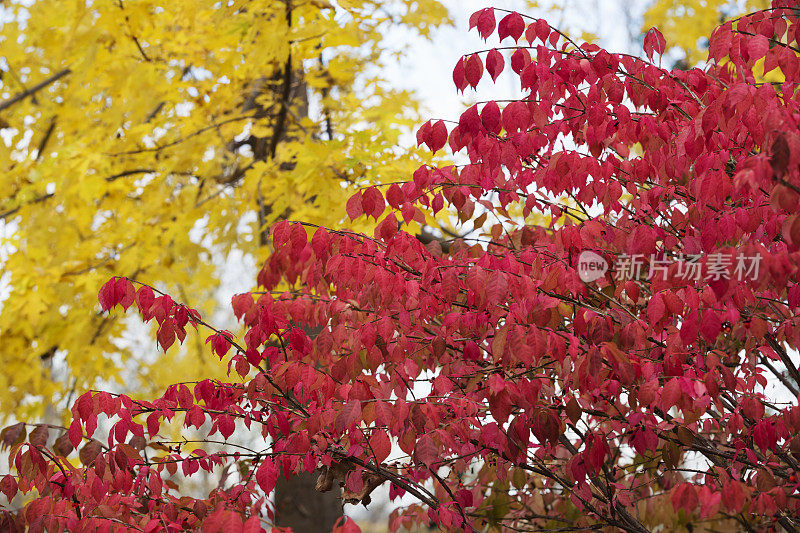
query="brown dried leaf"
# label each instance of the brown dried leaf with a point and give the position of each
(39, 436)
(63, 446)
(12, 435)
(90, 451)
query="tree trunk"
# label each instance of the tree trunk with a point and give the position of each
(299, 506)
(297, 502)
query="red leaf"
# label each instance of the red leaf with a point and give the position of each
(354, 209)
(541, 30)
(643, 440)
(596, 452)
(654, 43)
(655, 309)
(106, 295)
(267, 475)
(690, 327)
(226, 426)
(124, 293)
(710, 325)
(520, 59)
(166, 334)
(84, 406)
(320, 242)
(144, 300)
(670, 394)
(473, 19)
(75, 433)
(516, 117)
(185, 397)
(757, 47)
(299, 341)
(720, 42)
(500, 406)
(219, 344)
(424, 133)
(426, 451)
(346, 525)
(764, 435)
(471, 351)
(153, 423)
(438, 136)
(684, 496)
(223, 521)
(733, 496)
(485, 23)
(473, 70)
(409, 212)
(470, 121)
(241, 304)
(387, 228)
(372, 202)
(490, 117)
(8, 486)
(459, 79)
(252, 525)
(753, 408)
(494, 63)
(395, 196)
(512, 26)
(348, 416)
(380, 444)
(545, 426)
(464, 498)
(299, 238)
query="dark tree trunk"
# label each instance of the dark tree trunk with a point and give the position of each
(297, 502)
(299, 506)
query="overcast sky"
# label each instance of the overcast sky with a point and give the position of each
(428, 66)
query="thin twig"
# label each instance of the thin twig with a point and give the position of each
(33, 90)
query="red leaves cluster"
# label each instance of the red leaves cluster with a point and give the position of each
(117, 291)
(487, 360)
(433, 135)
(171, 317)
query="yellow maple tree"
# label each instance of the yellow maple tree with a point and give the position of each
(686, 24)
(145, 138)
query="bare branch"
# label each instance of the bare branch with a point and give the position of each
(33, 90)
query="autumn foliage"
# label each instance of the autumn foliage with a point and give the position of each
(518, 395)
(151, 139)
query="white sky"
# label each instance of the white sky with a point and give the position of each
(428, 65)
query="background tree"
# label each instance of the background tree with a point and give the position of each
(147, 139)
(520, 394)
(686, 24)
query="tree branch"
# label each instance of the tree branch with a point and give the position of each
(33, 90)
